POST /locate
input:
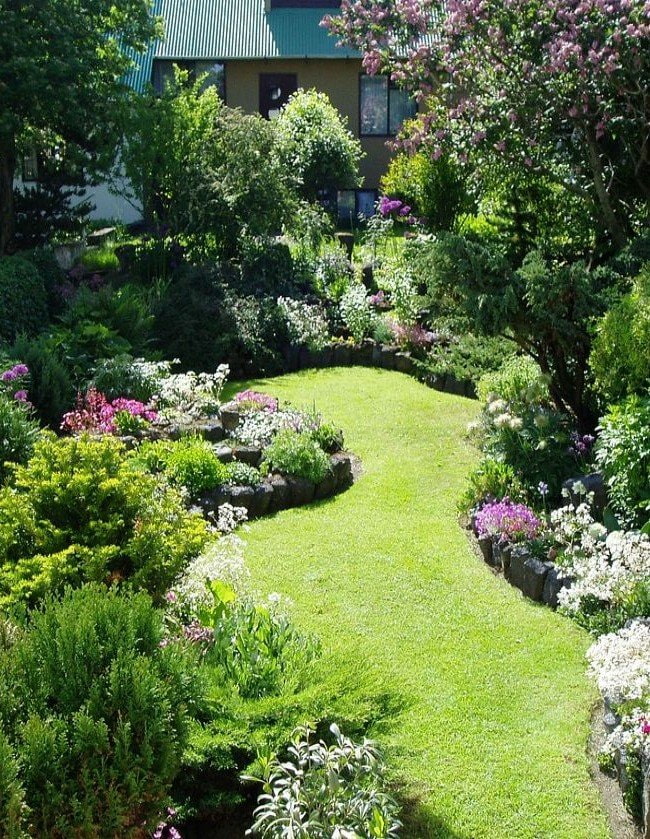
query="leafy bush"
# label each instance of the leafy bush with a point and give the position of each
(490, 480)
(124, 375)
(102, 258)
(78, 511)
(517, 379)
(23, 299)
(18, 429)
(95, 414)
(96, 713)
(297, 453)
(306, 324)
(434, 189)
(333, 274)
(620, 360)
(466, 358)
(12, 795)
(315, 144)
(623, 454)
(242, 474)
(328, 437)
(192, 464)
(51, 389)
(322, 791)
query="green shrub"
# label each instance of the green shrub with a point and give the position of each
(102, 258)
(322, 791)
(125, 376)
(623, 454)
(333, 274)
(316, 145)
(18, 433)
(51, 389)
(620, 357)
(297, 453)
(192, 463)
(242, 474)
(97, 714)
(467, 358)
(434, 189)
(12, 795)
(517, 378)
(491, 479)
(79, 511)
(329, 437)
(23, 299)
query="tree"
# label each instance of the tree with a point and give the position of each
(316, 144)
(552, 88)
(202, 172)
(61, 72)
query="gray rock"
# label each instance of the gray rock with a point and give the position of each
(454, 385)
(342, 355)
(211, 430)
(485, 545)
(210, 501)
(645, 799)
(280, 498)
(241, 496)
(527, 573)
(376, 355)
(388, 355)
(593, 483)
(301, 491)
(341, 466)
(263, 496)
(326, 487)
(553, 584)
(365, 353)
(224, 453)
(229, 415)
(403, 362)
(252, 455)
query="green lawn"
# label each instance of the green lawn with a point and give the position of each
(492, 739)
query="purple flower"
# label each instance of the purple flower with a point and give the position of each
(21, 369)
(171, 597)
(8, 376)
(542, 488)
(508, 521)
(388, 205)
(405, 210)
(20, 396)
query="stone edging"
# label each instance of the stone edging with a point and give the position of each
(372, 354)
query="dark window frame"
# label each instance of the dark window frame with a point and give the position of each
(357, 192)
(190, 64)
(389, 86)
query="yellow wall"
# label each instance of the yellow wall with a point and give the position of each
(338, 78)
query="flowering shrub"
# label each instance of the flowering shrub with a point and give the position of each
(259, 429)
(395, 208)
(191, 395)
(610, 572)
(253, 400)
(508, 521)
(132, 377)
(356, 312)
(229, 517)
(297, 453)
(241, 474)
(94, 413)
(306, 323)
(395, 276)
(414, 336)
(334, 274)
(620, 663)
(18, 428)
(321, 792)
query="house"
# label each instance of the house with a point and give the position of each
(258, 52)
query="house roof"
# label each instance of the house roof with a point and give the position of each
(236, 29)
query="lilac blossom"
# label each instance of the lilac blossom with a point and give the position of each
(508, 521)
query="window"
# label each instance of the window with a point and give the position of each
(383, 107)
(275, 90)
(352, 203)
(215, 72)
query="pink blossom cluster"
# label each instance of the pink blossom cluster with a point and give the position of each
(411, 335)
(255, 401)
(94, 413)
(508, 521)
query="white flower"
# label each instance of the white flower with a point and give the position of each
(502, 421)
(222, 559)
(620, 662)
(497, 406)
(306, 324)
(516, 423)
(229, 518)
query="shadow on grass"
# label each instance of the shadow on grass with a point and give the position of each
(419, 822)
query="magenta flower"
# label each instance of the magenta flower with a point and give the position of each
(507, 521)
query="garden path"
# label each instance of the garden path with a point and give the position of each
(491, 741)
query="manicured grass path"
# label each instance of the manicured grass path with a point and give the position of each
(492, 740)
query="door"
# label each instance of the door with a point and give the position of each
(275, 90)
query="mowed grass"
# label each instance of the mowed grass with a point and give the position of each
(492, 738)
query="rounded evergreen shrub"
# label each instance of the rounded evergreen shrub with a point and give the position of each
(23, 299)
(620, 358)
(94, 711)
(79, 511)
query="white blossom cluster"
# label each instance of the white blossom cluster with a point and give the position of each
(620, 663)
(229, 518)
(259, 428)
(631, 736)
(306, 324)
(222, 559)
(605, 570)
(356, 311)
(191, 394)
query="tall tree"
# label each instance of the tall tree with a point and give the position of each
(61, 68)
(554, 88)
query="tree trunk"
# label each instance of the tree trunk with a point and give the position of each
(612, 222)
(7, 171)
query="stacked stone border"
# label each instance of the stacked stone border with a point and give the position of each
(373, 354)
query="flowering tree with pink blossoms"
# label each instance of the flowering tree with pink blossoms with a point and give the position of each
(559, 89)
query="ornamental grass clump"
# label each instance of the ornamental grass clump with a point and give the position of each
(508, 521)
